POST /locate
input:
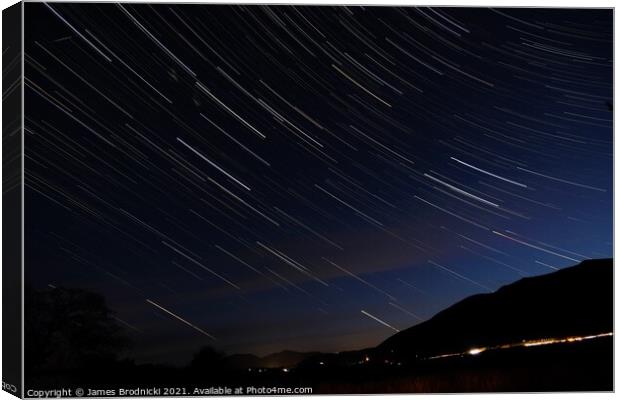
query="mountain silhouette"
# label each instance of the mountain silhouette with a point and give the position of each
(282, 359)
(573, 301)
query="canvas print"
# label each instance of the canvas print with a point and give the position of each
(249, 200)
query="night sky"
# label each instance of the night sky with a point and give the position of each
(309, 178)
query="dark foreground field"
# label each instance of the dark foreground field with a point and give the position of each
(580, 366)
(586, 366)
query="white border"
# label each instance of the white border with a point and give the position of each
(472, 3)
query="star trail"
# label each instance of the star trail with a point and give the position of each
(260, 178)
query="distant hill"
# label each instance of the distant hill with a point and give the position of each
(573, 301)
(283, 359)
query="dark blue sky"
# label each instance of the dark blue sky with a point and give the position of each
(268, 173)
